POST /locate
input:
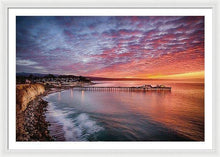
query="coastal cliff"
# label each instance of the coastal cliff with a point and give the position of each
(31, 124)
(30, 120)
(26, 93)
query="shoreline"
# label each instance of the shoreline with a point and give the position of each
(42, 125)
(31, 124)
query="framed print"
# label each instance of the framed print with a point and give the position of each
(110, 78)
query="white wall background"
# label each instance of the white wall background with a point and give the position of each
(109, 3)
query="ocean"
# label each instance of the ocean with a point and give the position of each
(90, 115)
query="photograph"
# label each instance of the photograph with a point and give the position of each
(110, 78)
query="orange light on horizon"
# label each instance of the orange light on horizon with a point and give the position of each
(196, 76)
(190, 75)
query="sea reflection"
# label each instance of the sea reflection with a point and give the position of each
(71, 93)
(59, 96)
(82, 96)
(139, 116)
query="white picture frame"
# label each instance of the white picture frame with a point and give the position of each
(9, 85)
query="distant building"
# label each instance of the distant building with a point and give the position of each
(27, 81)
(147, 86)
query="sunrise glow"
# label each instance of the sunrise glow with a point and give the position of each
(112, 47)
(199, 74)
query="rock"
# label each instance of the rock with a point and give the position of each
(35, 125)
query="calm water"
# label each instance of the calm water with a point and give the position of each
(128, 116)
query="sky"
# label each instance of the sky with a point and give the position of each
(111, 46)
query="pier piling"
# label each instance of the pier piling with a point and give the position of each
(124, 88)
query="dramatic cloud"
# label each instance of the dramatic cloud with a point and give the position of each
(110, 46)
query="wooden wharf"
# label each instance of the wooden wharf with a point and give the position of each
(124, 88)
